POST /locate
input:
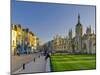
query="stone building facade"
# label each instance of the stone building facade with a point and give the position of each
(80, 43)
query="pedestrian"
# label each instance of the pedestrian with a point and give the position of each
(47, 56)
(23, 66)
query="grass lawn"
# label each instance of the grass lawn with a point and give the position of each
(64, 62)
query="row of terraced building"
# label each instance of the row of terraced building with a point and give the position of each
(23, 40)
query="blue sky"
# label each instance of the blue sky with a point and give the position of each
(46, 20)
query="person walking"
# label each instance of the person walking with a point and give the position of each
(47, 56)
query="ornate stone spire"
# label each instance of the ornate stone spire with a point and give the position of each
(70, 33)
(79, 27)
(90, 28)
(78, 18)
(88, 31)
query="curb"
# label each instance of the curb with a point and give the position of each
(48, 66)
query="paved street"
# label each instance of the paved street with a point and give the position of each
(17, 61)
(39, 65)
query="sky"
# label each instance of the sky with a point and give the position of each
(49, 19)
